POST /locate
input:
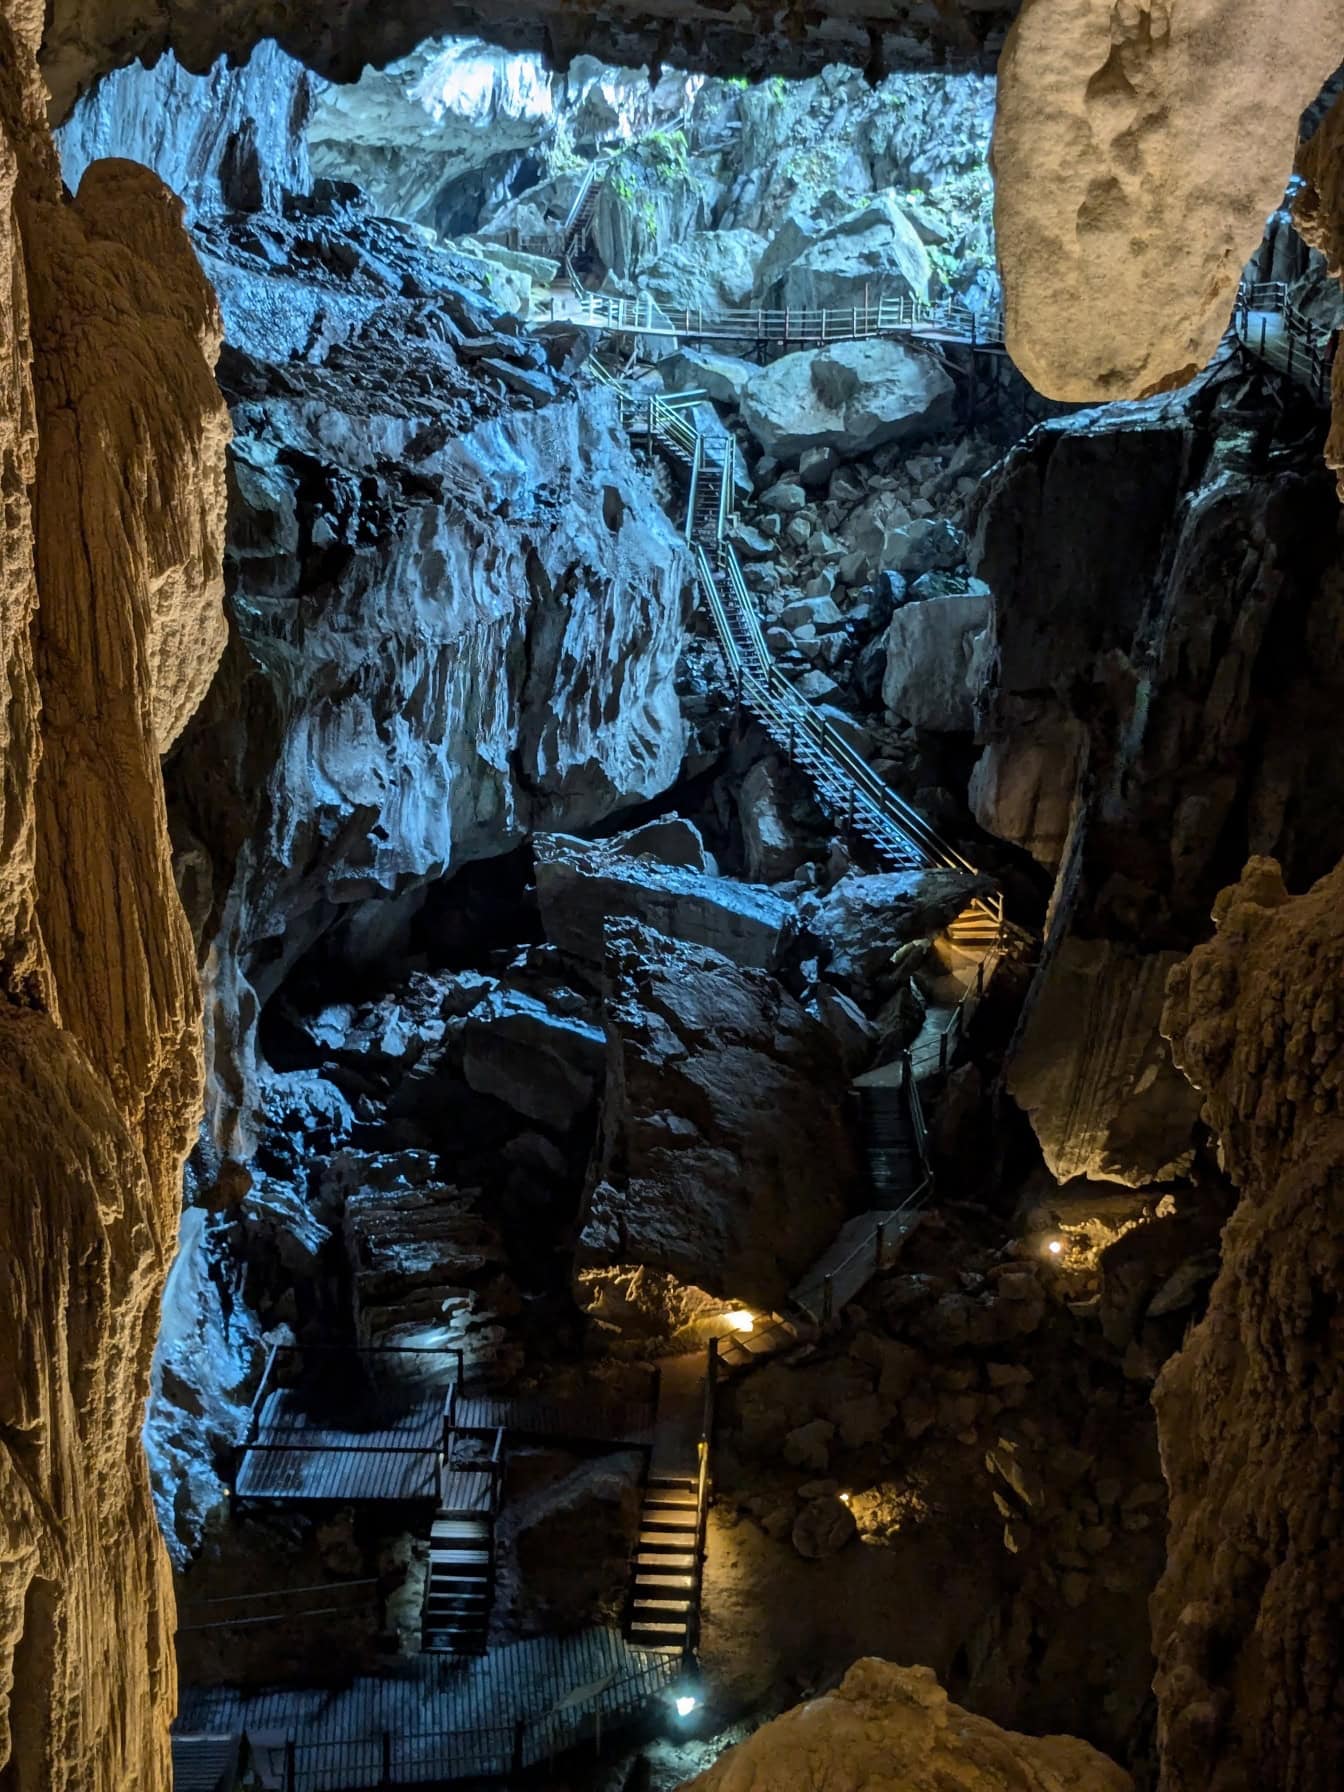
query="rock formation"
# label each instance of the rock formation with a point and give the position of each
(1146, 720)
(86, 38)
(1245, 1616)
(113, 437)
(1138, 150)
(725, 1158)
(894, 1729)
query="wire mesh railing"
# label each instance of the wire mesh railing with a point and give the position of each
(1280, 333)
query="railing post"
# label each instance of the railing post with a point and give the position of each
(386, 1770)
(827, 1300)
(291, 1766)
(942, 1051)
(880, 1242)
(520, 1745)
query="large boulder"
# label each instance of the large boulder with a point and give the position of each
(564, 1539)
(1104, 1098)
(541, 1064)
(929, 648)
(724, 1157)
(723, 377)
(864, 920)
(894, 1727)
(853, 397)
(710, 270)
(873, 253)
(581, 886)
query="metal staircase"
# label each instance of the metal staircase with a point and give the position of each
(664, 1568)
(848, 788)
(460, 1581)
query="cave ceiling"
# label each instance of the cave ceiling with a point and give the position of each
(85, 38)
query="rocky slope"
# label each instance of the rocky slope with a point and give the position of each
(113, 437)
(1248, 1680)
(893, 1727)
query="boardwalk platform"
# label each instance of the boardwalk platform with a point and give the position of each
(301, 1456)
(529, 1418)
(864, 1245)
(441, 1718)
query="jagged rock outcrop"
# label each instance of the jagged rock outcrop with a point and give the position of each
(85, 38)
(1166, 606)
(583, 886)
(1168, 136)
(233, 138)
(893, 1729)
(112, 440)
(724, 1156)
(1244, 1619)
(456, 609)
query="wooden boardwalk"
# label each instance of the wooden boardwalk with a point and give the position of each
(439, 1717)
(536, 1418)
(297, 1456)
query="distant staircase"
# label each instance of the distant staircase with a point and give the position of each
(664, 1579)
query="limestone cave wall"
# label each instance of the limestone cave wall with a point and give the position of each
(1246, 1614)
(111, 623)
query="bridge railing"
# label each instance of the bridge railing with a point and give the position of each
(1301, 348)
(400, 1758)
(950, 319)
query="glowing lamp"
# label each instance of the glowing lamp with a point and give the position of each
(1054, 1247)
(686, 1703)
(740, 1320)
(845, 1498)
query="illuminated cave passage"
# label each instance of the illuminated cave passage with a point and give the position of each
(741, 1149)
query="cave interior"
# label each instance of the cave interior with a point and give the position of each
(669, 1122)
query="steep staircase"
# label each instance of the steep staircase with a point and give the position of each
(460, 1582)
(664, 1582)
(895, 1165)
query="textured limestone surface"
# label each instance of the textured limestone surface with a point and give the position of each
(1093, 1074)
(893, 1729)
(1138, 150)
(1245, 1618)
(112, 437)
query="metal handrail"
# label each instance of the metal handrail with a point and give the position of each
(941, 319)
(843, 778)
(703, 1487)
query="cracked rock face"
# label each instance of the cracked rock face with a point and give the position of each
(1245, 1616)
(456, 610)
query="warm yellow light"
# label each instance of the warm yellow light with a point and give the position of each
(740, 1320)
(1054, 1247)
(845, 1498)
